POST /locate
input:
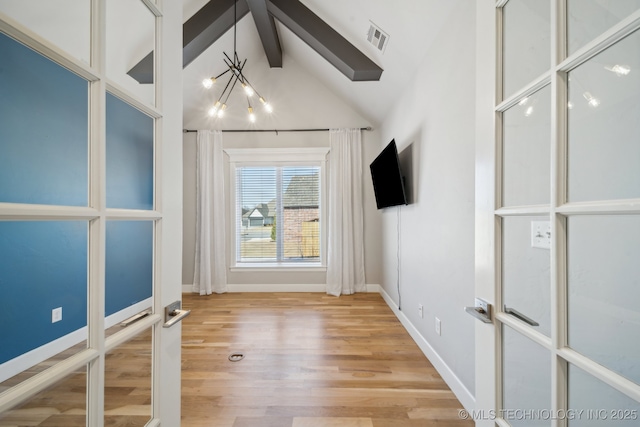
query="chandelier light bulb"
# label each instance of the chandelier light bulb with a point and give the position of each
(252, 116)
(213, 110)
(221, 111)
(207, 83)
(247, 89)
(266, 105)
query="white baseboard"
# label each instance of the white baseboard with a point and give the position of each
(459, 389)
(320, 287)
(18, 364)
(37, 355)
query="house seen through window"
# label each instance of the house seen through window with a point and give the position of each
(278, 214)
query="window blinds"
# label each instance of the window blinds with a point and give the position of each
(278, 214)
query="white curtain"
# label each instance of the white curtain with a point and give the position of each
(345, 255)
(210, 273)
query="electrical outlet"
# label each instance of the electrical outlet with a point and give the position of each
(541, 234)
(438, 327)
(421, 311)
(56, 315)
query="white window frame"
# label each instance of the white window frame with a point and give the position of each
(275, 157)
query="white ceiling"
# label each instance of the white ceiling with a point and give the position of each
(413, 26)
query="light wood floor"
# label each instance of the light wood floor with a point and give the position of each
(309, 360)
(127, 401)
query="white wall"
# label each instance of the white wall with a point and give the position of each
(301, 102)
(434, 119)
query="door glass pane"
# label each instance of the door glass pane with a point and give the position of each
(65, 23)
(526, 381)
(587, 19)
(127, 390)
(526, 270)
(604, 290)
(604, 96)
(129, 269)
(130, 41)
(130, 152)
(43, 129)
(526, 45)
(43, 278)
(527, 150)
(64, 404)
(595, 404)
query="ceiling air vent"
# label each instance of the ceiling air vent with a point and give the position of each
(377, 37)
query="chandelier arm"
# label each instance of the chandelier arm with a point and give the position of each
(232, 86)
(230, 60)
(246, 81)
(225, 89)
(236, 69)
(221, 74)
(243, 79)
(231, 67)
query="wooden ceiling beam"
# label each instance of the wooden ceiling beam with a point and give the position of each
(267, 30)
(199, 32)
(325, 40)
(217, 16)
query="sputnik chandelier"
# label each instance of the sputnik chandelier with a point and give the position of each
(235, 67)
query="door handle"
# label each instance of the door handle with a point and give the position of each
(135, 318)
(518, 315)
(173, 313)
(481, 311)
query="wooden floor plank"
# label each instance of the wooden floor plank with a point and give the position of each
(309, 360)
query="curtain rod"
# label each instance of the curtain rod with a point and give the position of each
(272, 130)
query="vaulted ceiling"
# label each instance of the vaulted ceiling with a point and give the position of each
(326, 40)
(215, 18)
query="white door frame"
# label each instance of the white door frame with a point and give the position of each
(487, 349)
(168, 341)
(167, 363)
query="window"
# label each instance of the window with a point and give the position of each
(278, 208)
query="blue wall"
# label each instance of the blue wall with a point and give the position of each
(43, 129)
(43, 265)
(129, 156)
(129, 264)
(44, 118)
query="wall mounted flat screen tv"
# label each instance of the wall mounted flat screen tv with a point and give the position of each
(388, 182)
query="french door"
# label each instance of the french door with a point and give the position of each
(90, 212)
(558, 212)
